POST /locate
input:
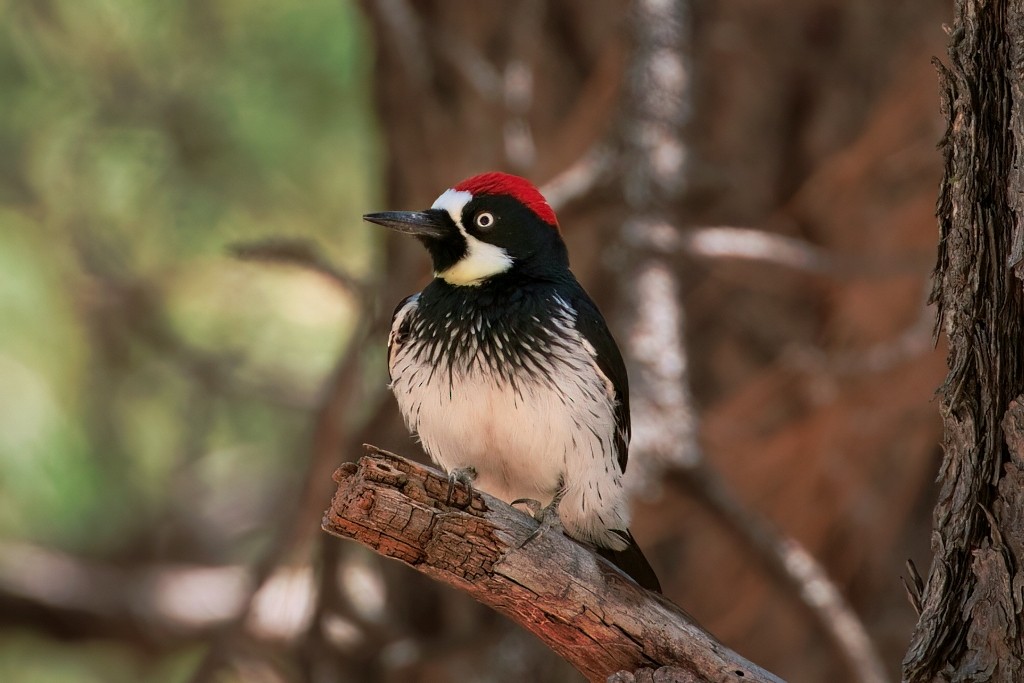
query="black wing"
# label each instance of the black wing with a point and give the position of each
(632, 561)
(590, 323)
(400, 327)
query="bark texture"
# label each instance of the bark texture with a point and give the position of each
(581, 606)
(970, 626)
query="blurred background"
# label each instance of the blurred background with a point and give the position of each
(193, 316)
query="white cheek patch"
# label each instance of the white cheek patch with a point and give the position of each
(482, 260)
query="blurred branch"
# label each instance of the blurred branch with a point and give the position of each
(752, 244)
(405, 36)
(296, 252)
(756, 245)
(158, 606)
(119, 308)
(154, 606)
(793, 567)
(469, 63)
(759, 245)
(915, 340)
(581, 606)
(579, 179)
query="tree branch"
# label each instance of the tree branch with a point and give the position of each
(159, 607)
(581, 606)
(792, 566)
(296, 252)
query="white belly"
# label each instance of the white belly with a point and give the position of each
(516, 441)
(524, 441)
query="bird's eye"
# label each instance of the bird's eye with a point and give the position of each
(484, 219)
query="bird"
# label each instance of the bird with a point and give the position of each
(505, 370)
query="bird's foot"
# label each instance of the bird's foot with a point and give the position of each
(460, 475)
(546, 516)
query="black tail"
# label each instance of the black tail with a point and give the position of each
(632, 561)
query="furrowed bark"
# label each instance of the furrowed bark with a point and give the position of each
(971, 608)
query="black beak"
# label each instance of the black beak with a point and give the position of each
(432, 223)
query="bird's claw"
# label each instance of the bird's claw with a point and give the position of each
(532, 505)
(460, 475)
(546, 516)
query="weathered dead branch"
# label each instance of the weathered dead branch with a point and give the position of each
(582, 607)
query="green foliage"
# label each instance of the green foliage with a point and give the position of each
(24, 659)
(144, 374)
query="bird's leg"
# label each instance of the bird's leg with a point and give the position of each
(460, 475)
(546, 516)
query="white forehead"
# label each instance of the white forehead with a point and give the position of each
(453, 201)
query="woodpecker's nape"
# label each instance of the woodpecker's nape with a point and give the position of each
(506, 371)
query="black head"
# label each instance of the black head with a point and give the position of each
(485, 226)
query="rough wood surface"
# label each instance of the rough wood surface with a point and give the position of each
(971, 607)
(581, 606)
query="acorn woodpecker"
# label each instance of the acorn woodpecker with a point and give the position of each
(505, 369)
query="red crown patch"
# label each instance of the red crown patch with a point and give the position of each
(512, 186)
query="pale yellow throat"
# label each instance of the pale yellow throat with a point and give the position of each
(482, 260)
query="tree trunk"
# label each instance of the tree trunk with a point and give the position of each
(971, 626)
